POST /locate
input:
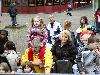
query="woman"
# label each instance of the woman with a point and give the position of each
(64, 53)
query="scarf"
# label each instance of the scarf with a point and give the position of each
(31, 54)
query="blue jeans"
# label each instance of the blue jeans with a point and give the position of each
(13, 19)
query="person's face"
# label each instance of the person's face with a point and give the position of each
(2, 69)
(64, 38)
(36, 22)
(36, 48)
(82, 21)
(52, 19)
(85, 42)
(98, 12)
(3, 35)
(27, 69)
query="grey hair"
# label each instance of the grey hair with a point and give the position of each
(36, 42)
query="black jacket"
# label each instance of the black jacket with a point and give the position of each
(2, 43)
(12, 10)
(67, 52)
(4, 59)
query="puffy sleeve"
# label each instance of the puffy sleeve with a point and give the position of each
(24, 57)
(48, 58)
(45, 33)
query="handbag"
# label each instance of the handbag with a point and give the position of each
(63, 66)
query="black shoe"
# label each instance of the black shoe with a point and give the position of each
(13, 25)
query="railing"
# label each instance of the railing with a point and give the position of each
(43, 74)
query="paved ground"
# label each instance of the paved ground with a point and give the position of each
(19, 35)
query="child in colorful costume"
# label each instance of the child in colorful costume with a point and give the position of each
(38, 30)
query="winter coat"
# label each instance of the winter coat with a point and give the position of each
(12, 10)
(63, 56)
(66, 52)
(44, 55)
(53, 32)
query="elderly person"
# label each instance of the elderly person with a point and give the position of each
(40, 57)
(64, 53)
(54, 28)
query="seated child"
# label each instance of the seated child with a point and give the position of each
(27, 67)
(4, 68)
(38, 30)
(11, 55)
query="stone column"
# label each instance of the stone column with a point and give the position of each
(0, 8)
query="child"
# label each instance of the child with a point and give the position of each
(27, 67)
(38, 30)
(67, 26)
(82, 28)
(69, 9)
(11, 55)
(4, 68)
(54, 29)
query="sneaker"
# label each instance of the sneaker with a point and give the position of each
(13, 25)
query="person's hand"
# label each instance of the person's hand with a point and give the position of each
(39, 62)
(13, 72)
(41, 65)
(82, 73)
(42, 44)
(97, 51)
(47, 71)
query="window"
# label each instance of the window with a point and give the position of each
(56, 2)
(63, 1)
(24, 2)
(31, 2)
(48, 2)
(39, 2)
(5, 2)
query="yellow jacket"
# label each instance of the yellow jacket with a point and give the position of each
(47, 61)
(84, 28)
